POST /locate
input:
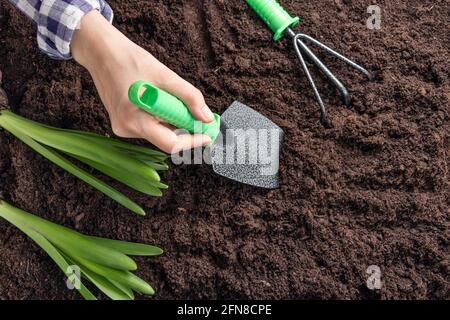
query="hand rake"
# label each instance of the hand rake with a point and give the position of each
(281, 23)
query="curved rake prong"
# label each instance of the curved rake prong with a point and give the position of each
(323, 113)
(337, 55)
(344, 92)
(303, 50)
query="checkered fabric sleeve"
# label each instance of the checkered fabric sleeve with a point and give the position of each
(58, 19)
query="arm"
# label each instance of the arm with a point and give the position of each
(57, 21)
(29, 7)
(79, 28)
(114, 63)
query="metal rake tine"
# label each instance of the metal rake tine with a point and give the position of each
(330, 75)
(337, 55)
(323, 113)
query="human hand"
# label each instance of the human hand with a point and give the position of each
(114, 63)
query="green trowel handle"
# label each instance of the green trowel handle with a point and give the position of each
(165, 106)
(274, 16)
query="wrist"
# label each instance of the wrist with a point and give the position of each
(96, 41)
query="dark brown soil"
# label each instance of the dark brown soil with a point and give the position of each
(371, 190)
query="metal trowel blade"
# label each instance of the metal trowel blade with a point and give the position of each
(248, 148)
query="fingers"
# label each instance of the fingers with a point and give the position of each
(168, 139)
(189, 94)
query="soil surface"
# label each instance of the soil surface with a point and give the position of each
(371, 190)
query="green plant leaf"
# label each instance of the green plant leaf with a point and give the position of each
(116, 142)
(108, 288)
(155, 165)
(129, 248)
(143, 156)
(116, 284)
(125, 278)
(124, 146)
(125, 289)
(74, 242)
(9, 213)
(73, 169)
(86, 148)
(135, 166)
(137, 183)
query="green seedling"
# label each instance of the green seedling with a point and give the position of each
(134, 166)
(105, 263)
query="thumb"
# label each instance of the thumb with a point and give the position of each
(191, 96)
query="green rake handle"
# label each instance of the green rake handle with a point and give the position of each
(169, 108)
(274, 16)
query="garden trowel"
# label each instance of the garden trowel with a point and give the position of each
(246, 145)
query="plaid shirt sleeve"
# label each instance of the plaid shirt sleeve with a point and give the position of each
(58, 19)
